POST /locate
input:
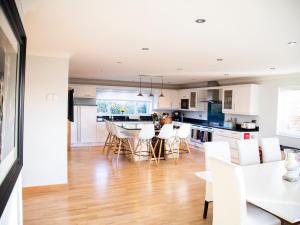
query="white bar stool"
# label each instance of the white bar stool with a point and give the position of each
(145, 140)
(119, 140)
(181, 137)
(165, 135)
(109, 136)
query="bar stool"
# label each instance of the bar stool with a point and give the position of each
(181, 137)
(120, 139)
(108, 140)
(145, 140)
(165, 135)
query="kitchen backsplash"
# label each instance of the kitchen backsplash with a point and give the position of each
(242, 118)
(195, 115)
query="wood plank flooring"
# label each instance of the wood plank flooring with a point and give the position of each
(99, 193)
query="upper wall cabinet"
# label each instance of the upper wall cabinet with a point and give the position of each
(168, 102)
(84, 91)
(184, 94)
(241, 99)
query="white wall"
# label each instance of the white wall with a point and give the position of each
(268, 100)
(45, 128)
(12, 214)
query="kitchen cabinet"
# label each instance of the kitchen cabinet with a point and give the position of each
(184, 94)
(84, 91)
(101, 133)
(84, 127)
(202, 103)
(193, 99)
(168, 102)
(222, 135)
(241, 99)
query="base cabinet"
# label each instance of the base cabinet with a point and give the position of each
(84, 127)
(232, 137)
(101, 133)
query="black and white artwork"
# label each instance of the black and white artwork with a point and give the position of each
(8, 96)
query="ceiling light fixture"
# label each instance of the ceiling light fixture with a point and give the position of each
(179, 69)
(151, 94)
(145, 49)
(140, 93)
(272, 68)
(119, 62)
(200, 20)
(292, 42)
(162, 86)
(219, 59)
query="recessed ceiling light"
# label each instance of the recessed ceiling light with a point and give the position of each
(219, 60)
(272, 68)
(145, 49)
(200, 20)
(292, 43)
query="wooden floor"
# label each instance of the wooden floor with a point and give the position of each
(99, 193)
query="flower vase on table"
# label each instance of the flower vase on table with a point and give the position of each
(292, 166)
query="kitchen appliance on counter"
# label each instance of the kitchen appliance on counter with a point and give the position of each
(185, 103)
(201, 134)
(177, 116)
(248, 125)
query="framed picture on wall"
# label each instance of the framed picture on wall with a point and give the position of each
(12, 72)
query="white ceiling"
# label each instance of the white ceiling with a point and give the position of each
(250, 35)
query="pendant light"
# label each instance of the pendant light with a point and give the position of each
(151, 94)
(140, 93)
(162, 86)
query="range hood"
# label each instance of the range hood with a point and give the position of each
(212, 95)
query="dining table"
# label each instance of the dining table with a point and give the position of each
(266, 189)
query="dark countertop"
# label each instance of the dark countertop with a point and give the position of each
(237, 129)
(185, 120)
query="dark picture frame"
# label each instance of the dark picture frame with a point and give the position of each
(11, 13)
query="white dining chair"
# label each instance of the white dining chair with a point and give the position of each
(230, 206)
(220, 150)
(145, 140)
(270, 149)
(165, 136)
(181, 137)
(248, 152)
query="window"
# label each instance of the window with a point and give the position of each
(122, 107)
(288, 118)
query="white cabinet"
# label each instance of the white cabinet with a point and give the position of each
(232, 137)
(241, 99)
(184, 94)
(88, 124)
(202, 104)
(84, 127)
(101, 133)
(169, 101)
(193, 99)
(84, 91)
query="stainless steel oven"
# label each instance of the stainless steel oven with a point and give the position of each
(201, 134)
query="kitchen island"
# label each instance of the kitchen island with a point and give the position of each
(133, 129)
